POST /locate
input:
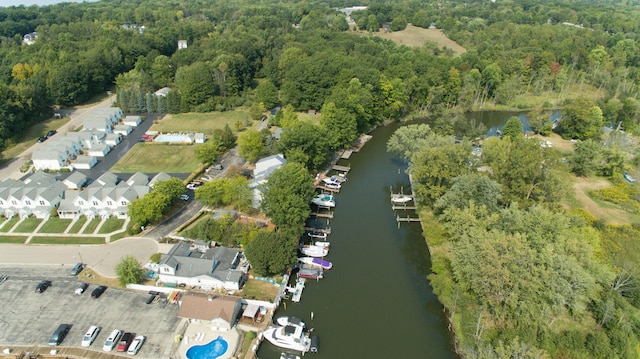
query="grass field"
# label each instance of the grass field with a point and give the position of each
(158, 158)
(111, 225)
(416, 36)
(6, 226)
(199, 122)
(13, 239)
(608, 212)
(118, 236)
(67, 240)
(28, 225)
(260, 290)
(91, 227)
(55, 225)
(78, 225)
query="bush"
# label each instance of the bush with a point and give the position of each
(155, 258)
(249, 335)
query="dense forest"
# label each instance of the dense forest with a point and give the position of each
(520, 275)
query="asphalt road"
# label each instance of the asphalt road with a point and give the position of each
(29, 318)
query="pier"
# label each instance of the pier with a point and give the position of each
(322, 230)
(403, 208)
(322, 215)
(297, 290)
(325, 188)
(343, 169)
(406, 219)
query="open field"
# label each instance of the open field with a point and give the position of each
(582, 186)
(260, 290)
(30, 138)
(416, 36)
(158, 158)
(199, 122)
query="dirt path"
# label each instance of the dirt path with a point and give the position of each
(582, 186)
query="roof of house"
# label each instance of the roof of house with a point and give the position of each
(47, 154)
(76, 179)
(199, 136)
(106, 178)
(122, 127)
(207, 307)
(113, 136)
(85, 159)
(218, 263)
(159, 177)
(163, 91)
(138, 179)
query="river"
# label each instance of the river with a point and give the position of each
(376, 302)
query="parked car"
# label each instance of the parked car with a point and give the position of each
(98, 291)
(42, 286)
(51, 133)
(125, 341)
(112, 340)
(135, 346)
(90, 336)
(42, 139)
(81, 288)
(58, 336)
(184, 197)
(218, 167)
(77, 268)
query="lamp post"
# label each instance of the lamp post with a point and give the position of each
(81, 260)
(109, 94)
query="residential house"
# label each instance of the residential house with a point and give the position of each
(132, 121)
(163, 92)
(215, 268)
(84, 162)
(264, 168)
(159, 177)
(30, 38)
(36, 195)
(49, 159)
(88, 138)
(99, 150)
(99, 123)
(113, 139)
(75, 181)
(221, 312)
(122, 129)
(182, 44)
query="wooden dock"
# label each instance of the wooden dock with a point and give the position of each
(322, 215)
(297, 290)
(403, 208)
(322, 230)
(406, 219)
(346, 154)
(344, 169)
(325, 188)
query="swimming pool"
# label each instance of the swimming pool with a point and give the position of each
(173, 138)
(212, 350)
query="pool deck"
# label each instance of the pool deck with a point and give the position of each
(191, 337)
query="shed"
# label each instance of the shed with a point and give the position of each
(132, 121)
(122, 129)
(85, 162)
(200, 137)
(251, 311)
(75, 180)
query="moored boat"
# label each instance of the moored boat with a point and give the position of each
(628, 177)
(401, 198)
(314, 251)
(308, 271)
(290, 337)
(285, 320)
(323, 244)
(316, 262)
(320, 235)
(324, 200)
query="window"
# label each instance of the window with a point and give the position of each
(80, 203)
(42, 203)
(13, 202)
(109, 203)
(124, 203)
(95, 203)
(27, 202)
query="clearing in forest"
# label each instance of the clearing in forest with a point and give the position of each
(416, 36)
(582, 186)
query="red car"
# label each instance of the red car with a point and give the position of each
(125, 341)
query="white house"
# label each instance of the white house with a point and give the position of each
(122, 129)
(99, 150)
(49, 159)
(220, 312)
(84, 162)
(163, 92)
(88, 138)
(215, 268)
(264, 168)
(30, 38)
(182, 44)
(75, 180)
(99, 123)
(132, 121)
(113, 139)
(36, 195)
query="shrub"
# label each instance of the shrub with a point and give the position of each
(249, 335)
(155, 258)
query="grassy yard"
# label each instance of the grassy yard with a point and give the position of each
(416, 36)
(91, 227)
(199, 122)
(118, 236)
(260, 290)
(28, 225)
(55, 225)
(111, 225)
(78, 225)
(158, 158)
(30, 138)
(10, 223)
(67, 240)
(13, 239)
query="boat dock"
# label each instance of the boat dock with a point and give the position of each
(325, 188)
(406, 219)
(343, 169)
(322, 215)
(321, 230)
(403, 207)
(297, 290)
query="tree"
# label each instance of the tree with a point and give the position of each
(129, 270)
(287, 194)
(251, 145)
(196, 85)
(582, 120)
(513, 128)
(162, 71)
(209, 151)
(225, 192)
(271, 253)
(256, 111)
(267, 93)
(340, 125)
(148, 209)
(307, 139)
(586, 157)
(408, 140)
(471, 188)
(170, 188)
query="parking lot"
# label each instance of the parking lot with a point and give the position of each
(29, 318)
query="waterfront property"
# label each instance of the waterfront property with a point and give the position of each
(264, 168)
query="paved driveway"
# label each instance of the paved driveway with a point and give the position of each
(101, 258)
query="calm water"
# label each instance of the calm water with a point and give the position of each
(376, 301)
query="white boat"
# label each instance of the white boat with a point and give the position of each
(310, 272)
(324, 200)
(314, 251)
(320, 235)
(316, 262)
(333, 185)
(402, 198)
(323, 244)
(284, 321)
(289, 356)
(331, 180)
(289, 337)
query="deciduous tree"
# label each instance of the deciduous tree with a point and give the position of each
(251, 145)
(129, 271)
(287, 195)
(271, 253)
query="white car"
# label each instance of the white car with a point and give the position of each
(184, 197)
(112, 340)
(90, 336)
(136, 344)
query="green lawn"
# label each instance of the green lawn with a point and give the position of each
(111, 225)
(67, 240)
(158, 158)
(28, 225)
(13, 239)
(199, 122)
(118, 236)
(91, 227)
(30, 138)
(78, 225)
(10, 223)
(55, 225)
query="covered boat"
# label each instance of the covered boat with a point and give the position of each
(285, 320)
(290, 337)
(316, 262)
(314, 251)
(324, 200)
(320, 235)
(401, 198)
(311, 272)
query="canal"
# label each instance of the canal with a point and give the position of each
(376, 302)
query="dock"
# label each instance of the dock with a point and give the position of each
(343, 169)
(297, 290)
(403, 208)
(322, 215)
(322, 230)
(325, 188)
(406, 219)
(346, 154)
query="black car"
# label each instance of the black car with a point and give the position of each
(98, 291)
(42, 139)
(42, 286)
(51, 133)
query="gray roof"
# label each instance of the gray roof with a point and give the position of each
(84, 159)
(106, 178)
(219, 262)
(76, 179)
(138, 179)
(47, 154)
(40, 178)
(159, 177)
